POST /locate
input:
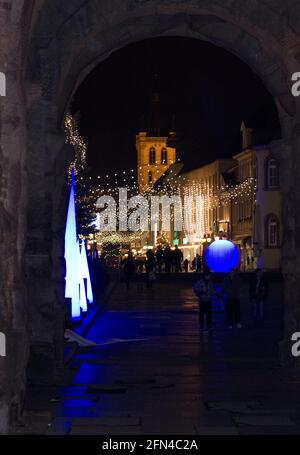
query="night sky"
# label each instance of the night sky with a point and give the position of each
(205, 92)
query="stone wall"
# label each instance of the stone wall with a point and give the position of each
(13, 314)
(47, 48)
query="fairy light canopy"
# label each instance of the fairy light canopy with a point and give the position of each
(202, 197)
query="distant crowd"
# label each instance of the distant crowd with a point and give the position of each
(161, 260)
(167, 260)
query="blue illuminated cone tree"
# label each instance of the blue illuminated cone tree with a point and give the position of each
(75, 269)
(86, 273)
(82, 294)
(72, 279)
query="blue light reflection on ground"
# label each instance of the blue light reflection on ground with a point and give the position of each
(210, 365)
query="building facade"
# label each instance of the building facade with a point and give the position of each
(237, 198)
(211, 217)
(241, 202)
(256, 216)
(267, 226)
(154, 157)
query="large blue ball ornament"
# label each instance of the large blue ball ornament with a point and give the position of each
(222, 255)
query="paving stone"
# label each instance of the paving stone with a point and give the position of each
(104, 430)
(234, 406)
(177, 382)
(266, 430)
(59, 426)
(95, 388)
(129, 382)
(75, 412)
(112, 420)
(215, 430)
(167, 425)
(266, 420)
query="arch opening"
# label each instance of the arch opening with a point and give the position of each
(66, 43)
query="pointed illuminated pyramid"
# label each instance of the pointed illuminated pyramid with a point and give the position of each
(86, 273)
(82, 294)
(71, 254)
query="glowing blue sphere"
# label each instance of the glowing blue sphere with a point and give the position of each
(222, 255)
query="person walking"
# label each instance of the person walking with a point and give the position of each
(150, 263)
(193, 265)
(231, 291)
(168, 258)
(198, 263)
(186, 265)
(159, 258)
(204, 290)
(178, 257)
(258, 293)
(139, 276)
(128, 269)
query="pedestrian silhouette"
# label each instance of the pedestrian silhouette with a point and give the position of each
(168, 258)
(258, 293)
(128, 270)
(231, 291)
(204, 290)
(150, 263)
(177, 257)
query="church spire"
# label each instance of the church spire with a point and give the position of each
(246, 136)
(154, 124)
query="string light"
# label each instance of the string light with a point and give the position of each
(197, 219)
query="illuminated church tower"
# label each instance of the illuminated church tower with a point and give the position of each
(154, 156)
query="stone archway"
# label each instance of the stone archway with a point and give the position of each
(64, 42)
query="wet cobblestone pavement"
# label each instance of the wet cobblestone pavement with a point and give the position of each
(153, 372)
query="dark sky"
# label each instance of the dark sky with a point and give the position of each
(205, 88)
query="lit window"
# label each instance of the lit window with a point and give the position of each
(272, 174)
(272, 231)
(152, 155)
(150, 177)
(164, 156)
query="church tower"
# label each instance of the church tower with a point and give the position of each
(246, 136)
(154, 156)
